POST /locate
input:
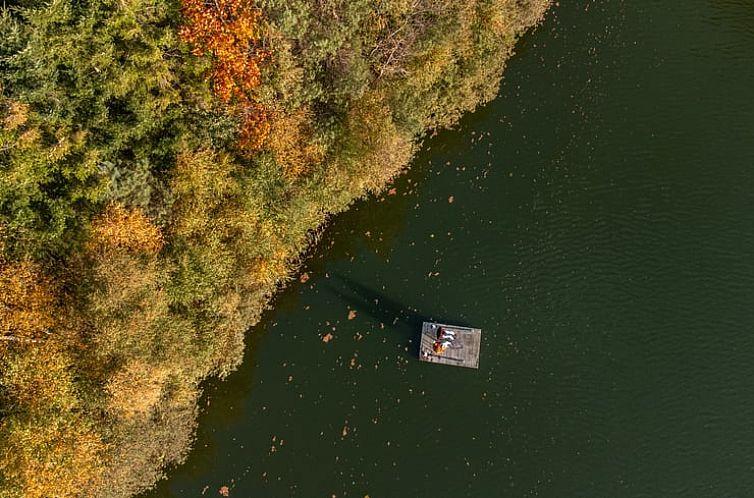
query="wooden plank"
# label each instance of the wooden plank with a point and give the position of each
(463, 352)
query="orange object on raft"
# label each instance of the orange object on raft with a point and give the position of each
(454, 345)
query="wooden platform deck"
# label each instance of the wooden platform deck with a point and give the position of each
(463, 352)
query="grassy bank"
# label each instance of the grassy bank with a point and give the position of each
(162, 166)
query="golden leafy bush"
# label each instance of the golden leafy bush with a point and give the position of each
(136, 388)
(121, 228)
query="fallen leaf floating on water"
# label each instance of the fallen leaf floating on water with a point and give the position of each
(451, 199)
(327, 337)
(351, 314)
(392, 191)
(344, 432)
(304, 278)
(224, 491)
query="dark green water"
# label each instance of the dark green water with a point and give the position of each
(601, 235)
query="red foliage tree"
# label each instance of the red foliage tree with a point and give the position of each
(229, 30)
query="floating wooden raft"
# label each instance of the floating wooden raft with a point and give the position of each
(463, 351)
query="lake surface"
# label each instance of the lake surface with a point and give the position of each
(601, 234)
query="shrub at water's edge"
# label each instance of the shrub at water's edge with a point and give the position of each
(162, 166)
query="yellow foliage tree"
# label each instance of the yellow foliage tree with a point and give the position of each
(17, 114)
(205, 188)
(48, 447)
(52, 456)
(380, 147)
(27, 302)
(290, 139)
(136, 388)
(127, 306)
(39, 378)
(270, 269)
(118, 227)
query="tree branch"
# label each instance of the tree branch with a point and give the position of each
(16, 339)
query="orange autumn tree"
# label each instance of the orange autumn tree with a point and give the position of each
(229, 29)
(27, 302)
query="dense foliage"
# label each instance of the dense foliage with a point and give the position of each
(162, 166)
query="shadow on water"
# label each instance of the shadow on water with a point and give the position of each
(382, 308)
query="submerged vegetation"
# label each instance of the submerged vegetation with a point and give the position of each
(162, 166)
